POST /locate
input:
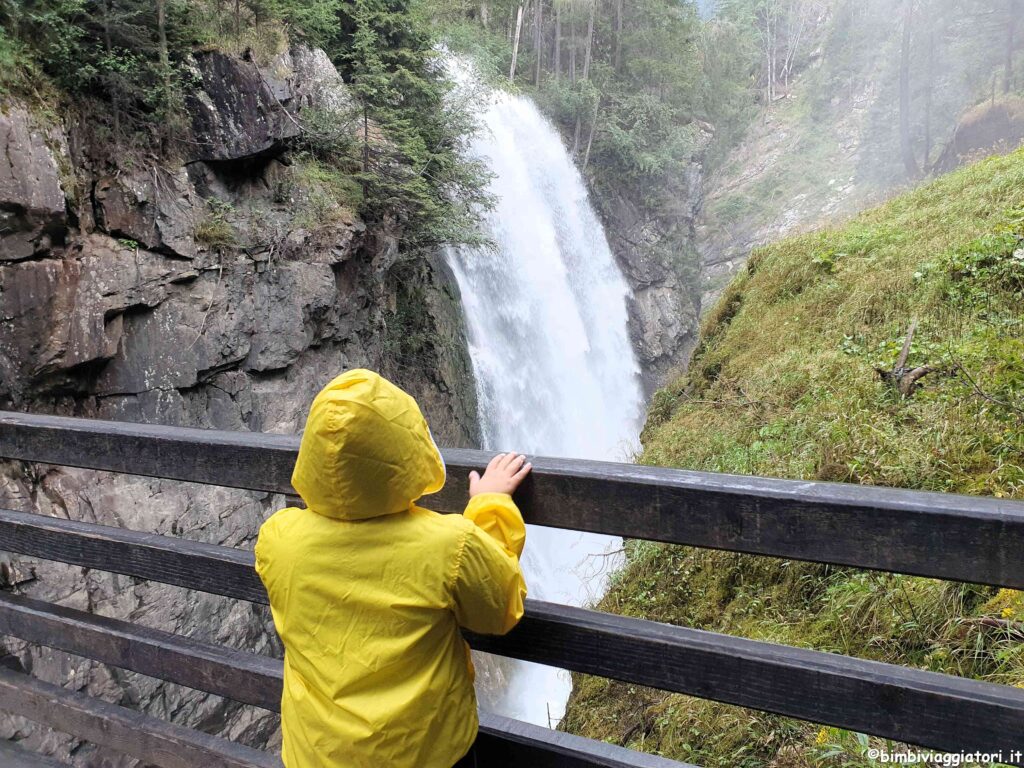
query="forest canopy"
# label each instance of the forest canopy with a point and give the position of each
(640, 89)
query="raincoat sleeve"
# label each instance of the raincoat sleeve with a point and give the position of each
(489, 589)
(262, 552)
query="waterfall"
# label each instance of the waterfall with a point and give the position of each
(555, 371)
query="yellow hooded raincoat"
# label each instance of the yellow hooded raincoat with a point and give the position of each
(368, 590)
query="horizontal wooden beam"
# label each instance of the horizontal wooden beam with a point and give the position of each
(928, 534)
(254, 679)
(908, 705)
(183, 563)
(506, 742)
(244, 677)
(154, 741)
(919, 707)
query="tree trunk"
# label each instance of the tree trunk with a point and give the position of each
(590, 41)
(538, 41)
(115, 96)
(484, 15)
(572, 51)
(366, 143)
(515, 44)
(590, 138)
(558, 40)
(1013, 8)
(161, 27)
(929, 87)
(618, 34)
(906, 145)
(905, 380)
(769, 46)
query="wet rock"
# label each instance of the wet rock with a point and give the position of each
(991, 127)
(154, 207)
(653, 246)
(235, 114)
(62, 314)
(296, 307)
(32, 208)
(246, 111)
(304, 78)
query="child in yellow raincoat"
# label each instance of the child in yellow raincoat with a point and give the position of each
(368, 590)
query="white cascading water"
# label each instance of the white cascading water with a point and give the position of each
(556, 374)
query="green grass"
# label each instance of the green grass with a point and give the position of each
(325, 193)
(783, 384)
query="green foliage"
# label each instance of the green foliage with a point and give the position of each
(412, 140)
(215, 230)
(324, 193)
(109, 51)
(129, 65)
(12, 63)
(783, 385)
(725, 93)
(314, 21)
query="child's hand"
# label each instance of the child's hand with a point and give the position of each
(503, 475)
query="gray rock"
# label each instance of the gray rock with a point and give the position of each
(62, 314)
(155, 207)
(32, 208)
(235, 115)
(653, 245)
(304, 78)
(245, 111)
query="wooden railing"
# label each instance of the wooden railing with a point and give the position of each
(945, 536)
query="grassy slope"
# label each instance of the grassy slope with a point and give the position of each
(783, 385)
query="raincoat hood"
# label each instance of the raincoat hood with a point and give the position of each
(366, 451)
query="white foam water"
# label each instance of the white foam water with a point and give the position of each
(555, 370)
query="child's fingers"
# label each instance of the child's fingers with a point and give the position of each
(513, 461)
(523, 472)
(513, 464)
(496, 462)
(474, 476)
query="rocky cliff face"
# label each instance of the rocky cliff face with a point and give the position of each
(653, 244)
(829, 144)
(767, 189)
(219, 290)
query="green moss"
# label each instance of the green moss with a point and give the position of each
(215, 229)
(783, 384)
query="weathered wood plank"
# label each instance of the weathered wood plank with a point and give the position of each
(928, 534)
(243, 677)
(206, 567)
(256, 680)
(13, 756)
(503, 741)
(909, 705)
(132, 733)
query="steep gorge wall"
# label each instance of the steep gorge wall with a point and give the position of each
(653, 242)
(828, 145)
(220, 289)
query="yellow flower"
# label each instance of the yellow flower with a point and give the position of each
(1007, 612)
(822, 738)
